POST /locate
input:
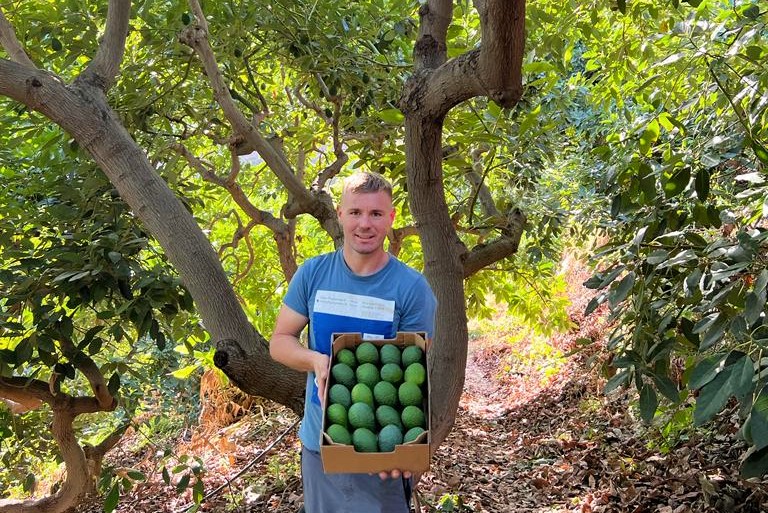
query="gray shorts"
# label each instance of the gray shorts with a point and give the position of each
(350, 493)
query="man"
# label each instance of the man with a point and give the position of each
(360, 289)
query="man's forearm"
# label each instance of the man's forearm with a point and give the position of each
(287, 350)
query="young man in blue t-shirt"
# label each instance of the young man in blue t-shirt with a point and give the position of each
(363, 289)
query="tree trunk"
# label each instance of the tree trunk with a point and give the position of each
(443, 269)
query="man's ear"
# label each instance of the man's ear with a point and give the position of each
(392, 215)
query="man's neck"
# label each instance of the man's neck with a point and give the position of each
(365, 265)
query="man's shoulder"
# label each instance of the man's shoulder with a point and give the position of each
(407, 269)
(319, 260)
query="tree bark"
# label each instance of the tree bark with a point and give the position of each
(442, 267)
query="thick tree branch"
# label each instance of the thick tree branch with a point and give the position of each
(432, 93)
(196, 37)
(11, 43)
(17, 408)
(334, 167)
(102, 70)
(281, 231)
(483, 255)
(97, 452)
(430, 49)
(476, 176)
(493, 70)
(92, 373)
(501, 53)
(21, 390)
(397, 236)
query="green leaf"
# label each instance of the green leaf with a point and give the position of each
(761, 282)
(392, 116)
(183, 483)
(715, 332)
(113, 385)
(667, 387)
(593, 304)
(622, 5)
(760, 151)
(90, 334)
(29, 483)
(23, 351)
(743, 374)
(705, 371)
(185, 372)
(620, 292)
(110, 503)
(713, 397)
(166, 475)
(753, 307)
(136, 475)
(160, 341)
(735, 379)
(648, 403)
(681, 258)
(658, 256)
(759, 420)
(56, 45)
(756, 464)
(677, 182)
(197, 492)
(701, 184)
(649, 137)
(618, 379)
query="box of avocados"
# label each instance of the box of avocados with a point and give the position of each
(376, 405)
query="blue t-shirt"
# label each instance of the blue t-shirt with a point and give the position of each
(336, 300)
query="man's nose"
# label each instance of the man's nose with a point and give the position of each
(364, 220)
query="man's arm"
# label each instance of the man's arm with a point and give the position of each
(284, 347)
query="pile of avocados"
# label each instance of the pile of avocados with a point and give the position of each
(376, 396)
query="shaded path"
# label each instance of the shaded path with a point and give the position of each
(570, 449)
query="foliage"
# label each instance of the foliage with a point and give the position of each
(683, 157)
(76, 267)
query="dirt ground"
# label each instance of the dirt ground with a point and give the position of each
(526, 439)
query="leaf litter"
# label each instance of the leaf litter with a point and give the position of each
(525, 440)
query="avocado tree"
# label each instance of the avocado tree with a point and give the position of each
(682, 157)
(206, 109)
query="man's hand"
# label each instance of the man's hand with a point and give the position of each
(320, 365)
(394, 474)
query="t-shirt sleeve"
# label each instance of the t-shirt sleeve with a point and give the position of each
(419, 309)
(297, 297)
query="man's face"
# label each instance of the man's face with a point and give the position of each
(365, 218)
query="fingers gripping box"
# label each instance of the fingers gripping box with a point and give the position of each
(370, 452)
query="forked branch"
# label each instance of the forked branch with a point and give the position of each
(103, 69)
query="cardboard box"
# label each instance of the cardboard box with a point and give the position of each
(413, 456)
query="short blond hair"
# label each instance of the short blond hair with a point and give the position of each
(366, 181)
